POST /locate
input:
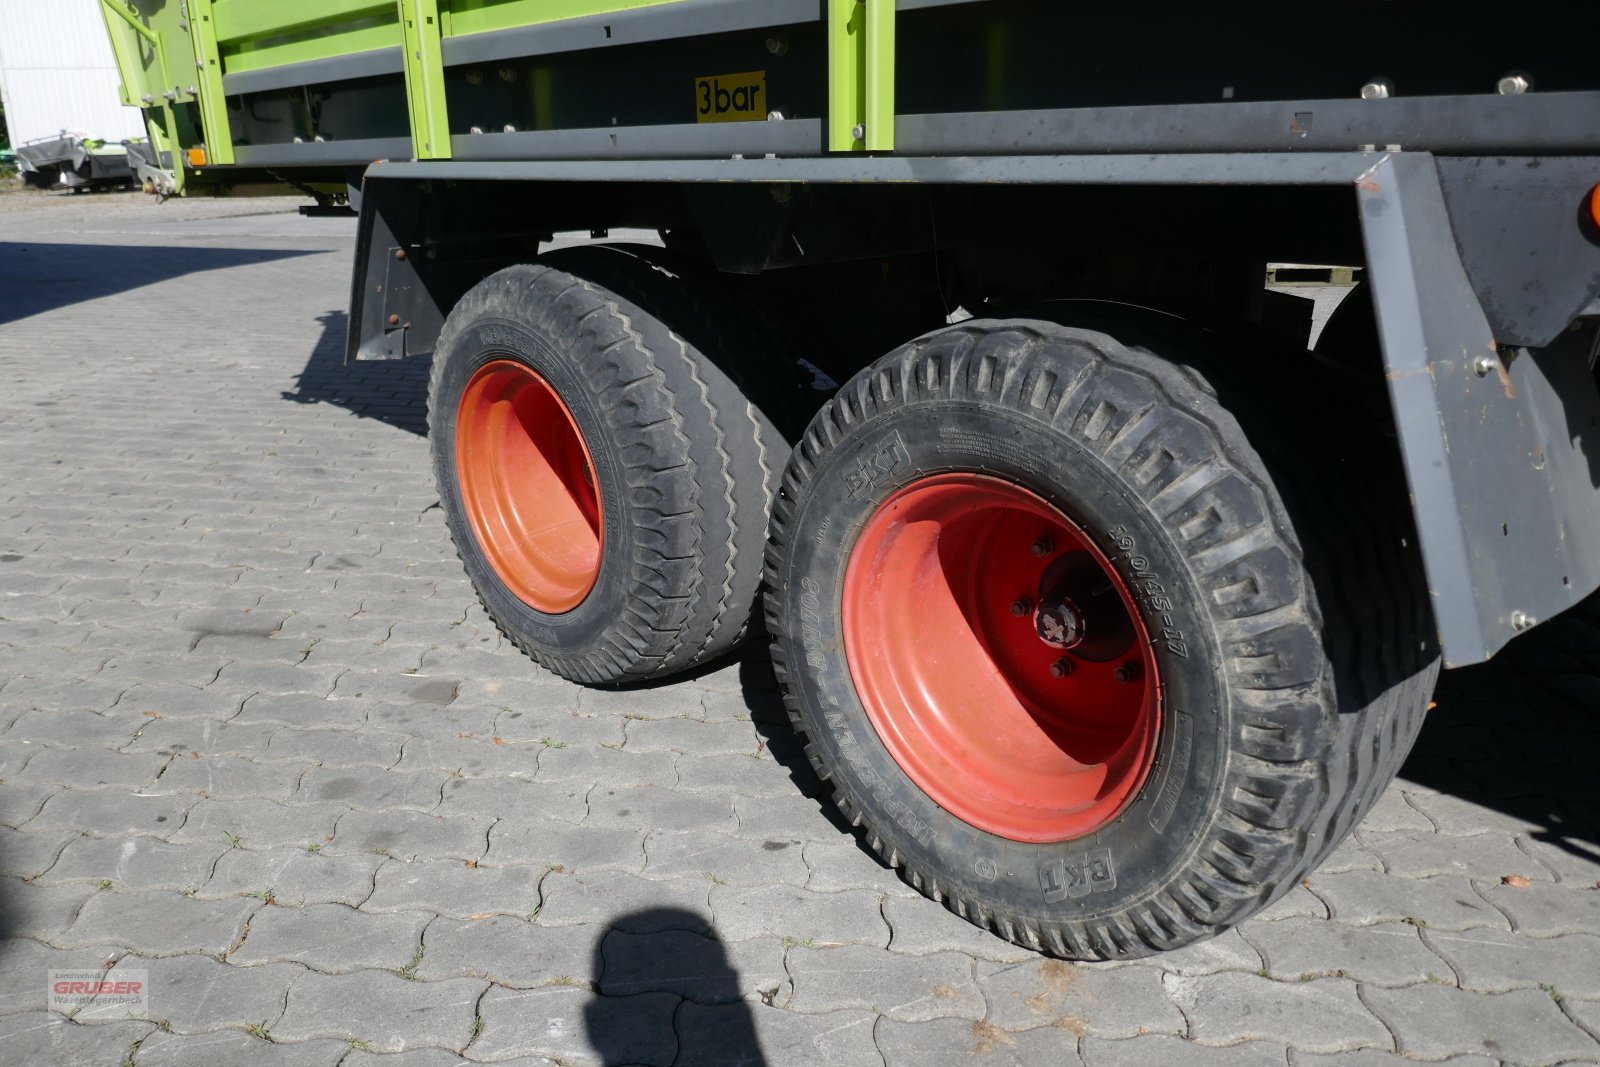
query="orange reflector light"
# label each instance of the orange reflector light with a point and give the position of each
(1594, 205)
(197, 157)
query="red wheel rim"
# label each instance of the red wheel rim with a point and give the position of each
(528, 486)
(1001, 658)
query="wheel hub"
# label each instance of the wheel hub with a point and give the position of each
(1058, 623)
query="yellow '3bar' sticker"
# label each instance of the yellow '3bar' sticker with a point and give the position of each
(731, 97)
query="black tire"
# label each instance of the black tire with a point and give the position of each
(1296, 654)
(686, 461)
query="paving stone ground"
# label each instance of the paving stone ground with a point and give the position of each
(258, 740)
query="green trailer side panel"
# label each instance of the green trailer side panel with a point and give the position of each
(847, 55)
(208, 64)
(430, 119)
(252, 20)
(147, 81)
(879, 80)
(860, 75)
(482, 16)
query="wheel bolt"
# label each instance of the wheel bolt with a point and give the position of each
(1021, 606)
(1044, 545)
(1062, 667)
(1126, 672)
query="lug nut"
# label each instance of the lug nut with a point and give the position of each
(1126, 672)
(1062, 667)
(1044, 546)
(1021, 606)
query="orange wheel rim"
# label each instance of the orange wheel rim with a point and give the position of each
(528, 486)
(1001, 658)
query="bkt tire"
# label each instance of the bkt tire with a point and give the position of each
(605, 475)
(1100, 652)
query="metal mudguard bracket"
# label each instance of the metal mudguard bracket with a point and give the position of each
(1501, 440)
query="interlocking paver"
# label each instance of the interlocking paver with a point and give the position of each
(694, 966)
(25, 854)
(576, 1027)
(784, 911)
(512, 952)
(455, 888)
(1492, 961)
(37, 911)
(626, 901)
(1524, 1026)
(43, 1038)
(240, 623)
(228, 778)
(744, 1035)
(1382, 954)
(1420, 853)
(256, 823)
(295, 876)
(513, 797)
(26, 964)
(959, 1043)
(331, 938)
(537, 841)
(134, 863)
(382, 1011)
(1160, 1050)
(209, 1049)
(1444, 901)
(1324, 1015)
(364, 791)
(110, 811)
(1109, 1001)
(609, 806)
(194, 994)
(413, 834)
(724, 858)
(918, 930)
(158, 922)
(909, 990)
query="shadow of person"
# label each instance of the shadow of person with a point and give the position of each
(670, 994)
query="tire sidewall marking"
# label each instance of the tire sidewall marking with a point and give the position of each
(1156, 832)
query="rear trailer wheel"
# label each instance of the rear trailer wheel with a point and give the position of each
(1053, 627)
(605, 476)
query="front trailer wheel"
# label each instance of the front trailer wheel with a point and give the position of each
(1054, 629)
(606, 454)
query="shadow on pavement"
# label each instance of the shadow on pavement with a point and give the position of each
(1518, 734)
(36, 277)
(392, 391)
(669, 951)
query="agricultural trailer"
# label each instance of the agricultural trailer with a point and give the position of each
(1104, 607)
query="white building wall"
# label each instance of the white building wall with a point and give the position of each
(57, 72)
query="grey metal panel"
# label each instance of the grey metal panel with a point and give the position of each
(789, 138)
(1530, 124)
(1527, 244)
(1501, 467)
(686, 18)
(340, 153)
(1333, 168)
(371, 64)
